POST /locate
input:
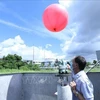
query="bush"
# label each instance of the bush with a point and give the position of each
(35, 67)
(1, 67)
(49, 68)
(24, 68)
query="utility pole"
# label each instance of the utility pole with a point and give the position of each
(33, 54)
(44, 54)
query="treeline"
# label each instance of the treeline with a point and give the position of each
(15, 62)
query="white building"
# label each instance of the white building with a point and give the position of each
(98, 55)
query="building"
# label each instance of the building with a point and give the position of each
(98, 55)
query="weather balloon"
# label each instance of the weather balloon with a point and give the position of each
(55, 17)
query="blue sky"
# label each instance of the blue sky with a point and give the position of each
(26, 14)
(21, 27)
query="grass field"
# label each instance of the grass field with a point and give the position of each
(95, 70)
(9, 71)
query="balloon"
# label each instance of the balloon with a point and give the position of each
(55, 17)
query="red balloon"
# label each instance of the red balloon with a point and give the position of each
(55, 17)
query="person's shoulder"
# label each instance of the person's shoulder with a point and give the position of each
(86, 82)
(87, 88)
(84, 79)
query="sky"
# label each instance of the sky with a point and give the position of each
(22, 30)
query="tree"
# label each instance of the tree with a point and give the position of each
(88, 64)
(94, 61)
(17, 57)
(30, 65)
(12, 61)
(1, 63)
(35, 67)
(56, 63)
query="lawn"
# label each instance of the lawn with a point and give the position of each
(9, 71)
(95, 70)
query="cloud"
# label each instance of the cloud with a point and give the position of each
(11, 42)
(47, 46)
(81, 36)
(32, 26)
(5, 9)
(15, 26)
(66, 3)
(86, 17)
(40, 30)
(35, 26)
(17, 46)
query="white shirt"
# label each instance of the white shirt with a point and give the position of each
(83, 85)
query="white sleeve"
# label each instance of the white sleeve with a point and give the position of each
(87, 90)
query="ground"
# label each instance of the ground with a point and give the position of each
(5, 71)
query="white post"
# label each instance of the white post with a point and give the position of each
(33, 55)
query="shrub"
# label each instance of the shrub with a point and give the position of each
(1, 67)
(49, 68)
(35, 67)
(24, 68)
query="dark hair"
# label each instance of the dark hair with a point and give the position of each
(80, 61)
(68, 63)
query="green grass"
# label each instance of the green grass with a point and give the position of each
(9, 71)
(95, 70)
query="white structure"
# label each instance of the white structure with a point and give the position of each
(64, 92)
(98, 55)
